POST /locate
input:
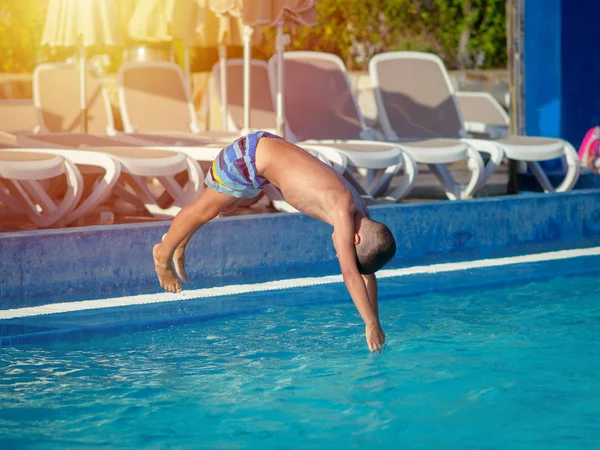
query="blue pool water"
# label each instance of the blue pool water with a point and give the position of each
(503, 368)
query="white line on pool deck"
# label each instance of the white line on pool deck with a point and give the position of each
(286, 284)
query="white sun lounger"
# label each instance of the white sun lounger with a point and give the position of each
(56, 99)
(483, 115)
(320, 106)
(146, 91)
(22, 173)
(88, 162)
(138, 165)
(415, 98)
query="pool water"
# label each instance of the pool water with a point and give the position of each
(483, 369)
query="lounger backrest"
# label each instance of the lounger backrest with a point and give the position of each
(318, 99)
(154, 97)
(262, 111)
(56, 95)
(481, 107)
(414, 96)
(17, 116)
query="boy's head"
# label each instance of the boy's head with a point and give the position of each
(376, 246)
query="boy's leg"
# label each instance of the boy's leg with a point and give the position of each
(179, 254)
(184, 225)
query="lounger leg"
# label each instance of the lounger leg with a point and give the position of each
(573, 169)
(101, 191)
(134, 199)
(380, 181)
(496, 157)
(541, 176)
(476, 166)
(39, 196)
(15, 197)
(408, 180)
(195, 184)
(349, 175)
(148, 199)
(455, 191)
(447, 181)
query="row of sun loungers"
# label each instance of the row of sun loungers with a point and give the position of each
(155, 164)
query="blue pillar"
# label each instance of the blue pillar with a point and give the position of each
(562, 68)
(580, 68)
(543, 69)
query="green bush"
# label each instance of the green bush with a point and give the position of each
(464, 33)
(21, 26)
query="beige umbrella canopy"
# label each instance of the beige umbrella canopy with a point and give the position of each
(71, 23)
(266, 12)
(82, 24)
(274, 12)
(149, 20)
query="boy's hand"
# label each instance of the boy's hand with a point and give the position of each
(375, 338)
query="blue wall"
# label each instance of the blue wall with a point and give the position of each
(543, 67)
(581, 68)
(98, 262)
(562, 68)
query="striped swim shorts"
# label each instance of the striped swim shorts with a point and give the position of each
(233, 172)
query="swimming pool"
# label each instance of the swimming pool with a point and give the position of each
(467, 365)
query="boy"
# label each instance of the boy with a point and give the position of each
(246, 167)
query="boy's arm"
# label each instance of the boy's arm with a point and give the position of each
(372, 291)
(344, 245)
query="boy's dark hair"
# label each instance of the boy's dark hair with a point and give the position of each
(376, 248)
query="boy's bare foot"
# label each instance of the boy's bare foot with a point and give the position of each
(167, 278)
(179, 263)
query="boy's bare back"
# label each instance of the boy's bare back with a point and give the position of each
(308, 184)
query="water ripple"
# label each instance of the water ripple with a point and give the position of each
(509, 368)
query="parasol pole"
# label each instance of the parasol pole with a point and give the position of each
(248, 31)
(82, 86)
(186, 67)
(281, 41)
(223, 77)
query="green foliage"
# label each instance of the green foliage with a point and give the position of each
(21, 26)
(465, 33)
(357, 29)
(471, 33)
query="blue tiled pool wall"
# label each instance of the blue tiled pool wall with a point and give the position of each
(91, 324)
(82, 263)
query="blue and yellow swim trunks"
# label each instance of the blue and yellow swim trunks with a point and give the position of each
(233, 172)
